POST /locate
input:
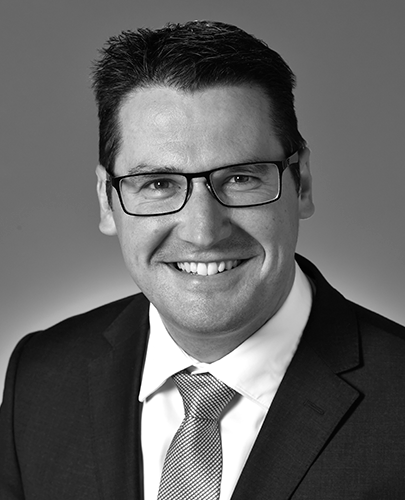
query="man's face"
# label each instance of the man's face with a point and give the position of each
(192, 132)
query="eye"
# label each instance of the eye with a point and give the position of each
(240, 179)
(159, 185)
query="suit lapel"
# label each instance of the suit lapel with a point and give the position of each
(311, 402)
(114, 381)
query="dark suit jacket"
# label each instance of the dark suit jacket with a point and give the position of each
(70, 419)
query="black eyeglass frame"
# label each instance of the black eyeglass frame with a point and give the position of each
(280, 164)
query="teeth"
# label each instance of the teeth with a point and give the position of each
(207, 268)
(228, 265)
(212, 268)
(202, 269)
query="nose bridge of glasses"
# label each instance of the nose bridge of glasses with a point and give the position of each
(199, 178)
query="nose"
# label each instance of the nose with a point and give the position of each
(203, 222)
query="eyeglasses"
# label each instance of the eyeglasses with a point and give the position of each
(236, 186)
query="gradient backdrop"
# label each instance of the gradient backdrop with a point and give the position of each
(348, 56)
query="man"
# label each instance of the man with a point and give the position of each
(203, 176)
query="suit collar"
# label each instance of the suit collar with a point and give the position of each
(135, 315)
(311, 401)
(332, 329)
(114, 382)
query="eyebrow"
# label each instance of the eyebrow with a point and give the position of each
(148, 169)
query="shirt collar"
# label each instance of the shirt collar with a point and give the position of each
(254, 369)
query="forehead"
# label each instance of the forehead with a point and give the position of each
(199, 130)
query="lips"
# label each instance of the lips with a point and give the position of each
(207, 268)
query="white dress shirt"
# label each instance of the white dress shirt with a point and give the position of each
(254, 370)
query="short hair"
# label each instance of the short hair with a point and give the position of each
(190, 57)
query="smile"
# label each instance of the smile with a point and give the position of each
(207, 268)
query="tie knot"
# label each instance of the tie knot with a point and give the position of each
(203, 395)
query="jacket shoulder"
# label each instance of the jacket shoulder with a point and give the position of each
(371, 320)
(382, 344)
(77, 338)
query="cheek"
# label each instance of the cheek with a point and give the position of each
(130, 235)
(274, 227)
(139, 238)
(277, 233)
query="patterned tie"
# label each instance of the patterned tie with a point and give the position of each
(193, 464)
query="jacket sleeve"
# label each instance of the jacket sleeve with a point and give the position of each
(11, 487)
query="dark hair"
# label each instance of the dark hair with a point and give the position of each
(190, 57)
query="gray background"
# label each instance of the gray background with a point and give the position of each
(348, 56)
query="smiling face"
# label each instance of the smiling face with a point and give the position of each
(215, 274)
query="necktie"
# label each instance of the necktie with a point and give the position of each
(193, 465)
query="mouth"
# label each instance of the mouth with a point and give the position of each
(207, 268)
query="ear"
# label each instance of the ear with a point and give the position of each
(107, 222)
(305, 204)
